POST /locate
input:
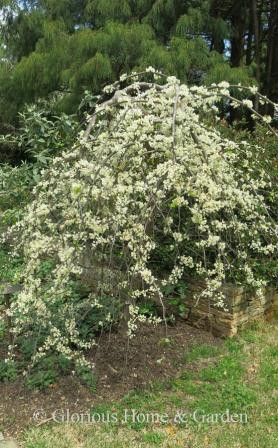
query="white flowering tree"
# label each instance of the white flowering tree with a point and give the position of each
(150, 171)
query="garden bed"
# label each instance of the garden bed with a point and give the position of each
(152, 356)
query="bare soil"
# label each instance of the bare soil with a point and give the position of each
(119, 368)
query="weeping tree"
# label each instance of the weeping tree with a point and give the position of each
(150, 174)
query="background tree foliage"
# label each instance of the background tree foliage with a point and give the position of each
(71, 46)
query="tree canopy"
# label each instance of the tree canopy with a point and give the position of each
(77, 45)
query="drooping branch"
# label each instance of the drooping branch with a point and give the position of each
(121, 96)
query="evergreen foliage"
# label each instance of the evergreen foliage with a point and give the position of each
(72, 46)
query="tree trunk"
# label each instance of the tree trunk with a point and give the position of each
(217, 43)
(272, 49)
(238, 21)
(249, 41)
(257, 47)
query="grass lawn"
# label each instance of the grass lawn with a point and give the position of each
(240, 375)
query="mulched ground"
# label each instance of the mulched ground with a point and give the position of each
(119, 369)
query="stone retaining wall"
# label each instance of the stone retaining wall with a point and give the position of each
(242, 307)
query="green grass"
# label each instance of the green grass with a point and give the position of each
(240, 375)
(201, 351)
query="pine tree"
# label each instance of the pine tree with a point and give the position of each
(77, 45)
